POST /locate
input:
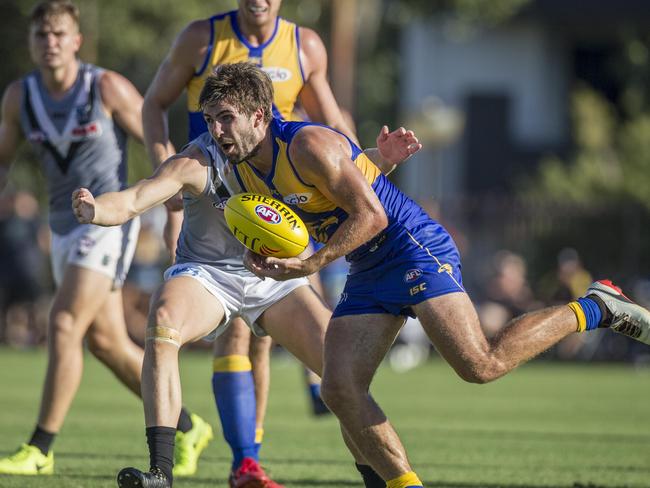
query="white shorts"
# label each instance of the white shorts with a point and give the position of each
(107, 250)
(240, 295)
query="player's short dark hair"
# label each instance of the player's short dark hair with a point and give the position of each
(53, 8)
(242, 85)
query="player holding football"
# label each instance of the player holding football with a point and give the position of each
(297, 59)
(77, 116)
(402, 263)
(204, 290)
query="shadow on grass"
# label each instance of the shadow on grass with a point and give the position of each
(531, 435)
(126, 457)
(440, 484)
(470, 465)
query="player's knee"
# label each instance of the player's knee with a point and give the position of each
(480, 371)
(160, 316)
(63, 327)
(336, 392)
(235, 341)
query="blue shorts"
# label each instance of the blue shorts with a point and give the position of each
(417, 264)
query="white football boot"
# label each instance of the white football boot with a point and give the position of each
(626, 317)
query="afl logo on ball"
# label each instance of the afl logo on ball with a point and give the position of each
(412, 275)
(267, 214)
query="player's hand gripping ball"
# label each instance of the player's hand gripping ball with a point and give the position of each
(266, 226)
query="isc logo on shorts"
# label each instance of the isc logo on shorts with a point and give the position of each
(412, 275)
(268, 214)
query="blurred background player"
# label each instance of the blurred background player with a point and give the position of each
(77, 117)
(296, 59)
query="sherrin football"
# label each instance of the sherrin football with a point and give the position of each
(266, 226)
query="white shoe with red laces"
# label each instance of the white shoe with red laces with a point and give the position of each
(625, 316)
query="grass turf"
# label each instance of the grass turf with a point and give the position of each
(545, 425)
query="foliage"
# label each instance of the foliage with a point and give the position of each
(611, 161)
(132, 37)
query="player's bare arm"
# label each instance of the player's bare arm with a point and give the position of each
(184, 58)
(326, 163)
(10, 132)
(316, 96)
(186, 171)
(123, 102)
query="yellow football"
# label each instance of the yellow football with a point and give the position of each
(265, 225)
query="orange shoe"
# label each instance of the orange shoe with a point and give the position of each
(251, 475)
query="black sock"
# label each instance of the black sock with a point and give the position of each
(42, 439)
(184, 421)
(370, 478)
(161, 449)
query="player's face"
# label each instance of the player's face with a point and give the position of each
(259, 12)
(233, 131)
(54, 42)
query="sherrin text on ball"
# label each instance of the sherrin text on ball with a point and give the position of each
(265, 225)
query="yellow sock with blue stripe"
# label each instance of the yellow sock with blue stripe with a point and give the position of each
(407, 480)
(259, 436)
(234, 394)
(588, 313)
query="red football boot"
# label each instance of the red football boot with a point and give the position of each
(251, 475)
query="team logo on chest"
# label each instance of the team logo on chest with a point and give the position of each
(297, 198)
(268, 214)
(220, 204)
(83, 113)
(277, 74)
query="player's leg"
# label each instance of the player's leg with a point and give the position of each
(260, 354)
(452, 325)
(182, 311)
(233, 386)
(78, 298)
(109, 341)
(312, 380)
(355, 345)
(304, 337)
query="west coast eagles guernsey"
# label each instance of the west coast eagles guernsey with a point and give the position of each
(321, 216)
(77, 143)
(279, 57)
(412, 259)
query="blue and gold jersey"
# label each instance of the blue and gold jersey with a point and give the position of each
(279, 57)
(284, 182)
(320, 215)
(411, 260)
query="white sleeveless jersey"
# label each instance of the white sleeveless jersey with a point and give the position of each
(205, 237)
(77, 143)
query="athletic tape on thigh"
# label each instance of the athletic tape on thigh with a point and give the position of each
(164, 334)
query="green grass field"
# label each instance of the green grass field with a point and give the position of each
(546, 425)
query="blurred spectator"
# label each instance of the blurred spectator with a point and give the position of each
(507, 292)
(568, 282)
(23, 275)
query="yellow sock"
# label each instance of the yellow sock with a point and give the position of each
(259, 435)
(404, 481)
(580, 315)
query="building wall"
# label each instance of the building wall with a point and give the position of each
(519, 62)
